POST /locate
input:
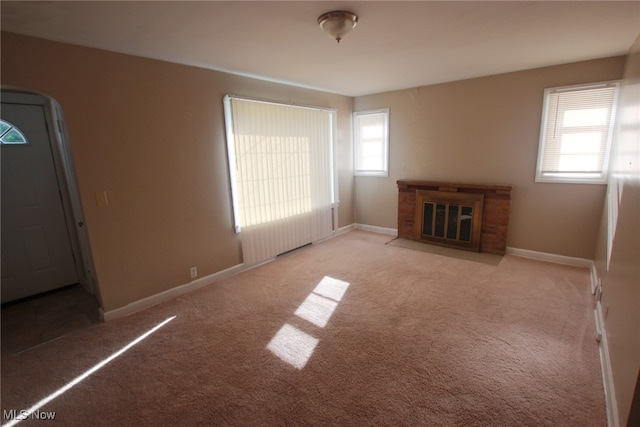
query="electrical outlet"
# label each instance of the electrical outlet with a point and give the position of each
(194, 272)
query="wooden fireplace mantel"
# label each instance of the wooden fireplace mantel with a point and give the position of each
(495, 217)
(496, 189)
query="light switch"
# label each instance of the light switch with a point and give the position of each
(101, 198)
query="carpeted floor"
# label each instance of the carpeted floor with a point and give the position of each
(347, 332)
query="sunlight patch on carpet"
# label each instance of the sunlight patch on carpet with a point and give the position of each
(316, 309)
(296, 347)
(331, 288)
(27, 413)
(293, 346)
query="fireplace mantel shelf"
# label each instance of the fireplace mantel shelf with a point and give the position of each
(453, 186)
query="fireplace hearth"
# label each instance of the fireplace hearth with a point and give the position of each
(466, 216)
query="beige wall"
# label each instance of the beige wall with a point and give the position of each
(486, 130)
(621, 281)
(151, 134)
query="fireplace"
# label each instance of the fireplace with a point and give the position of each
(466, 216)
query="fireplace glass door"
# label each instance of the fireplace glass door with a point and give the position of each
(452, 219)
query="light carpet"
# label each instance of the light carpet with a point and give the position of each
(414, 339)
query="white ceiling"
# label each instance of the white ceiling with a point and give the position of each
(395, 45)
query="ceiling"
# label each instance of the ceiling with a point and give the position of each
(395, 45)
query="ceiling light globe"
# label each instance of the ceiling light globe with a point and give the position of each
(338, 23)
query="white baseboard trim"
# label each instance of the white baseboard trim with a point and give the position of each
(152, 300)
(376, 229)
(344, 229)
(611, 403)
(558, 259)
(594, 278)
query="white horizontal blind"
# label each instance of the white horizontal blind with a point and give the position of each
(280, 158)
(577, 132)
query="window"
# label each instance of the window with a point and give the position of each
(9, 134)
(371, 140)
(575, 136)
(281, 172)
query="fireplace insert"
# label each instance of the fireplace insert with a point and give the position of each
(450, 219)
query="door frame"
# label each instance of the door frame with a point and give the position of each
(67, 181)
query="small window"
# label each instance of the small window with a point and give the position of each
(371, 140)
(9, 134)
(576, 131)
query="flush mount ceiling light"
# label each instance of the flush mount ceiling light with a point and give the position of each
(338, 23)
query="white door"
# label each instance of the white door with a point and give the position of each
(36, 250)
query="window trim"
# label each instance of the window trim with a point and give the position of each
(578, 177)
(362, 172)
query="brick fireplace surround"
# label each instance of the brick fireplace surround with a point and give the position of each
(495, 216)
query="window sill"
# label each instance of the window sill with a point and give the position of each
(374, 174)
(600, 180)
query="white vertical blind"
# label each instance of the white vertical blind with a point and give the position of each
(577, 131)
(281, 174)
